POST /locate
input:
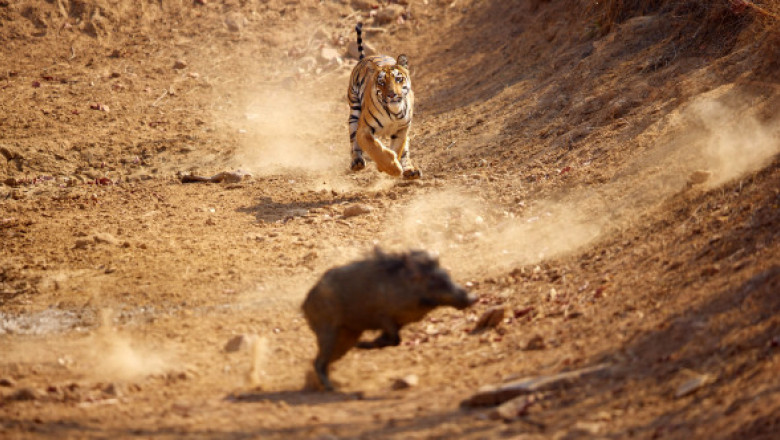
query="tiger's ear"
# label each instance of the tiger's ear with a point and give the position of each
(403, 61)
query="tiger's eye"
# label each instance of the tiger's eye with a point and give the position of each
(399, 79)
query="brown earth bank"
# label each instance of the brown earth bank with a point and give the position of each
(605, 174)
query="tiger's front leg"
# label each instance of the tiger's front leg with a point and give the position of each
(385, 158)
(358, 163)
(399, 142)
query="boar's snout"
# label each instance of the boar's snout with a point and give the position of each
(464, 299)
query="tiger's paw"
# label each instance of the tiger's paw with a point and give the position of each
(358, 164)
(390, 164)
(394, 169)
(412, 174)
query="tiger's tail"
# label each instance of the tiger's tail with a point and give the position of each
(359, 31)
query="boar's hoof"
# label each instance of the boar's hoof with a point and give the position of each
(321, 371)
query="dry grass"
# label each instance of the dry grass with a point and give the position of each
(611, 12)
(715, 24)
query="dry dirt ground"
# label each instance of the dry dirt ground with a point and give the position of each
(609, 177)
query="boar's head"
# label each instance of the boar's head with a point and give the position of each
(433, 283)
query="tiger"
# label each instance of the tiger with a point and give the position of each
(381, 103)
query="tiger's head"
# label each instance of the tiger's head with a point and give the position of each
(393, 84)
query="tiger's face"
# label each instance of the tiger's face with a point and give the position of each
(392, 86)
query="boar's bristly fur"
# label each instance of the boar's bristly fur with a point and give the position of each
(384, 292)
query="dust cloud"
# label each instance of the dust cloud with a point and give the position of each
(735, 144)
(110, 355)
(282, 133)
(474, 237)
(259, 356)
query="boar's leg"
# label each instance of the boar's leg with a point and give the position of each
(388, 338)
(333, 345)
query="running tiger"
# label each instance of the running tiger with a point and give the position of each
(386, 110)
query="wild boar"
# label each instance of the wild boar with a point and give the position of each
(384, 292)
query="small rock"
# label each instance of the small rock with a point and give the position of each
(405, 382)
(235, 22)
(25, 394)
(180, 64)
(82, 243)
(236, 343)
(365, 5)
(490, 319)
(536, 343)
(100, 107)
(492, 395)
(691, 385)
(355, 210)
(105, 237)
(512, 409)
(698, 177)
(389, 14)
(7, 382)
(113, 390)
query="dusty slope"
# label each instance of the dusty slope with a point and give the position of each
(558, 160)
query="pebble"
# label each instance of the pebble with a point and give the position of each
(355, 210)
(698, 177)
(512, 409)
(105, 237)
(389, 14)
(490, 319)
(7, 382)
(235, 22)
(536, 343)
(25, 394)
(691, 385)
(113, 390)
(365, 5)
(82, 243)
(492, 395)
(236, 343)
(179, 64)
(405, 382)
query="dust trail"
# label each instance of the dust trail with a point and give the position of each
(259, 357)
(476, 238)
(735, 145)
(112, 356)
(285, 130)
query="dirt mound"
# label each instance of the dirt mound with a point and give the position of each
(604, 175)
